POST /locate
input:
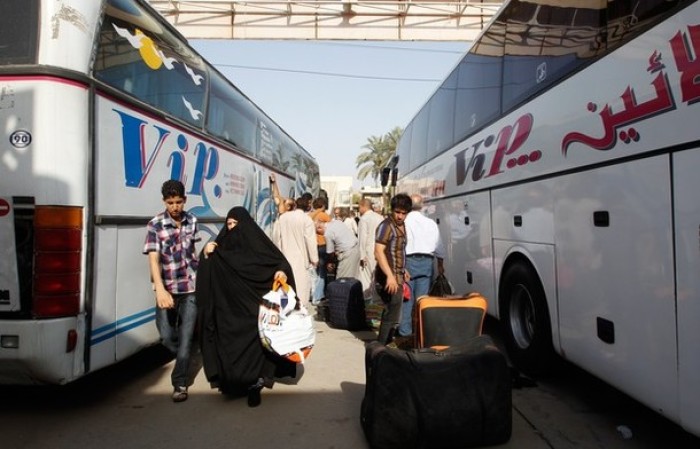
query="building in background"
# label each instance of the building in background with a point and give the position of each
(339, 190)
(376, 195)
(342, 193)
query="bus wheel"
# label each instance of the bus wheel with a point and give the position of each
(525, 320)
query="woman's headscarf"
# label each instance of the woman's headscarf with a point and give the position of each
(250, 252)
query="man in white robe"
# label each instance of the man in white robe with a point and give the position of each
(295, 235)
(369, 220)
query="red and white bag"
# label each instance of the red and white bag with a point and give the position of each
(283, 329)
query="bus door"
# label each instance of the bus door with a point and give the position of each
(466, 234)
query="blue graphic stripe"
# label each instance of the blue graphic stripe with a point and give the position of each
(122, 325)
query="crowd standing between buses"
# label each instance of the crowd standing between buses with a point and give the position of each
(172, 260)
(423, 246)
(390, 252)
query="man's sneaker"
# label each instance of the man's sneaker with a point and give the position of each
(180, 394)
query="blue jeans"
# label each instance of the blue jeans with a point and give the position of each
(421, 269)
(176, 328)
(318, 288)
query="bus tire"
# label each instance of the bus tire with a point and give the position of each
(524, 316)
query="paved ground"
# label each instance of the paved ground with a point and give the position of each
(128, 406)
(323, 409)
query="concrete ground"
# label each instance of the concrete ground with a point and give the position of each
(129, 406)
(323, 409)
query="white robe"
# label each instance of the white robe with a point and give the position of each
(366, 235)
(295, 235)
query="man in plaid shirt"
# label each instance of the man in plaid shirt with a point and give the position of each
(170, 246)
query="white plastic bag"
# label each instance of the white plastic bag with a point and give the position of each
(287, 331)
(282, 298)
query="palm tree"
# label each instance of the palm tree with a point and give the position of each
(393, 137)
(380, 151)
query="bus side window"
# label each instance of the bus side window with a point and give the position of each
(442, 112)
(165, 75)
(233, 117)
(537, 56)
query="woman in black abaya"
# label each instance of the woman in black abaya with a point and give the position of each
(233, 275)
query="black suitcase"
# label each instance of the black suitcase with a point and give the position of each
(437, 399)
(346, 304)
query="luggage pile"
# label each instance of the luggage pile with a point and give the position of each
(452, 390)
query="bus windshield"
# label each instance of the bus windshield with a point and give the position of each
(18, 31)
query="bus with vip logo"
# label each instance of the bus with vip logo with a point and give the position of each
(560, 158)
(100, 103)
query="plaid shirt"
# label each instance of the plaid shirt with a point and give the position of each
(178, 260)
(394, 238)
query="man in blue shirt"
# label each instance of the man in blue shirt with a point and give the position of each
(423, 246)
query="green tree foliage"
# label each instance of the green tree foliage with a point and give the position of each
(380, 149)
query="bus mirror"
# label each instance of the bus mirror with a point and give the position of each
(394, 174)
(385, 176)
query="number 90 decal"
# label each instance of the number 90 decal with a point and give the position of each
(20, 139)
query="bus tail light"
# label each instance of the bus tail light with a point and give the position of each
(71, 340)
(57, 255)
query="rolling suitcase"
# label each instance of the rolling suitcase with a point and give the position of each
(441, 322)
(428, 399)
(346, 304)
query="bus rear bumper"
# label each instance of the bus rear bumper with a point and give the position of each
(36, 351)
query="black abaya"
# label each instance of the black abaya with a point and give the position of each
(230, 285)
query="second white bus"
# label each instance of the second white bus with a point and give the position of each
(561, 158)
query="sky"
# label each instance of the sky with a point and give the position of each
(331, 96)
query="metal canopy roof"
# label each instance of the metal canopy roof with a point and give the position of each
(430, 20)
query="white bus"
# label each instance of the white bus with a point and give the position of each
(561, 158)
(100, 103)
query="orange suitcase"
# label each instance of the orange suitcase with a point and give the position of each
(448, 321)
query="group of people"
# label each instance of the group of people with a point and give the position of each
(219, 291)
(315, 243)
